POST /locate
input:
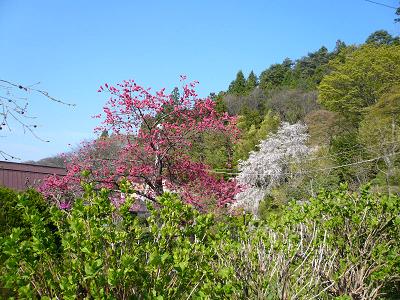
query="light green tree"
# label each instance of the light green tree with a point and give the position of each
(360, 79)
(379, 132)
(252, 134)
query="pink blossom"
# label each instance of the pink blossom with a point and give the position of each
(150, 144)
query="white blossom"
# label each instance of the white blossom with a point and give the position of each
(269, 166)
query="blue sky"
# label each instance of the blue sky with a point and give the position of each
(72, 47)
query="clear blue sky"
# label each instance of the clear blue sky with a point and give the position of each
(72, 47)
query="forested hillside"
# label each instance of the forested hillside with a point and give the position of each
(347, 98)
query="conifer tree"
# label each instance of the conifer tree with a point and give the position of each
(238, 86)
(252, 82)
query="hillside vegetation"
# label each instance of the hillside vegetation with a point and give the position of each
(284, 186)
(349, 101)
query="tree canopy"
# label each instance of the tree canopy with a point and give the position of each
(366, 74)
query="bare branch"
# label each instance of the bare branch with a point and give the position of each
(15, 108)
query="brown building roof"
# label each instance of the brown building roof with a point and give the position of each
(20, 176)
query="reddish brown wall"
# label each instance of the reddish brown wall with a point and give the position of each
(19, 176)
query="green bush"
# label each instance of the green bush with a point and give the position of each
(339, 245)
(109, 253)
(360, 235)
(10, 215)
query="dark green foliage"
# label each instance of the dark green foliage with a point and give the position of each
(104, 134)
(277, 75)
(340, 45)
(382, 37)
(220, 105)
(251, 82)
(309, 70)
(10, 215)
(305, 73)
(175, 95)
(302, 76)
(238, 86)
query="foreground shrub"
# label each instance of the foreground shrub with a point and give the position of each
(11, 216)
(110, 253)
(8, 212)
(337, 246)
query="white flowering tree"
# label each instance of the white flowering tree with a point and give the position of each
(269, 166)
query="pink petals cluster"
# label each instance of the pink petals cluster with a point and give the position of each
(199, 187)
(151, 136)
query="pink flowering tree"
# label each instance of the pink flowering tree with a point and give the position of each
(151, 136)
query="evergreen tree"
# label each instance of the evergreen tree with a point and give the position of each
(340, 45)
(238, 86)
(382, 37)
(277, 75)
(252, 82)
(309, 70)
(220, 105)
